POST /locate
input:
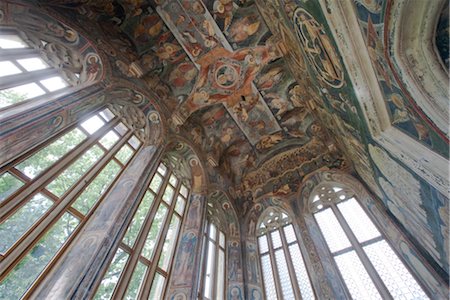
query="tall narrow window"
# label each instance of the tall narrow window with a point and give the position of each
(24, 74)
(214, 274)
(46, 195)
(141, 264)
(284, 272)
(366, 262)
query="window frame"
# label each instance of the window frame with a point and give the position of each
(62, 204)
(134, 252)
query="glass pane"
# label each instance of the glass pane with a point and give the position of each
(276, 239)
(54, 83)
(29, 268)
(393, 272)
(19, 93)
(155, 184)
(212, 231)
(289, 233)
(32, 64)
(138, 219)
(107, 115)
(207, 292)
(124, 154)
(43, 159)
(168, 194)
(355, 276)
(358, 220)
(179, 208)
(11, 41)
(136, 281)
(220, 282)
(162, 169)
(16, 225)
(109, 139)
(8, 185)
(269, 282)
(134, 142)
(121, 129)
(173, 180)
(169, 243)
(8, 68)
(155, 231)
(283, 273)
(75, 171)
(93, 124)
(221, 239)
(157, 287)
(96, 188)
(183, 190)
(300, 272)
(332, 230)
(263, 245)
(112, 276)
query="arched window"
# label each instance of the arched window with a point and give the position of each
(46, 195)
(284, 272)
(142, 263)
(366, 262)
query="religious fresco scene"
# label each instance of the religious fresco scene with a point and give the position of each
(224, 149)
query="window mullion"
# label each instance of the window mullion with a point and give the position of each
(13, 54)
(216, 263)
(384, 292)
(274, 266)
(288, 257)
(45, 177)
(28, 77)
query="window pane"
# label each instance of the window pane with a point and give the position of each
(269, 282)
(358, 220)
(332, 230)
(109, 139)
(183, 191)
(157, 287)
(8, 185)
(134, 142)
(32, 64)
(75, 171)
(300, 272)
(16, 225)
(29, 268)
(276, 239)
(112, 276)
(11, 41)
(179, 208)
(168, 194)
(169, 243)
(173, 180)
(155, 231)
(212, 231)
(289, 233)
(43, 159)
(283, 272)
(209, 271)
(107, 114)
(355, 276)
(124, 154)
(136, 281)
(121, 129)
(162, 169)
(8, 68)
(155, 184)
(138, 219)
(19, 93)
(263, 245)
(221, 239)
(393, 272)
(54, 83)
(220, 282)
(93, 124)
(96, 188)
